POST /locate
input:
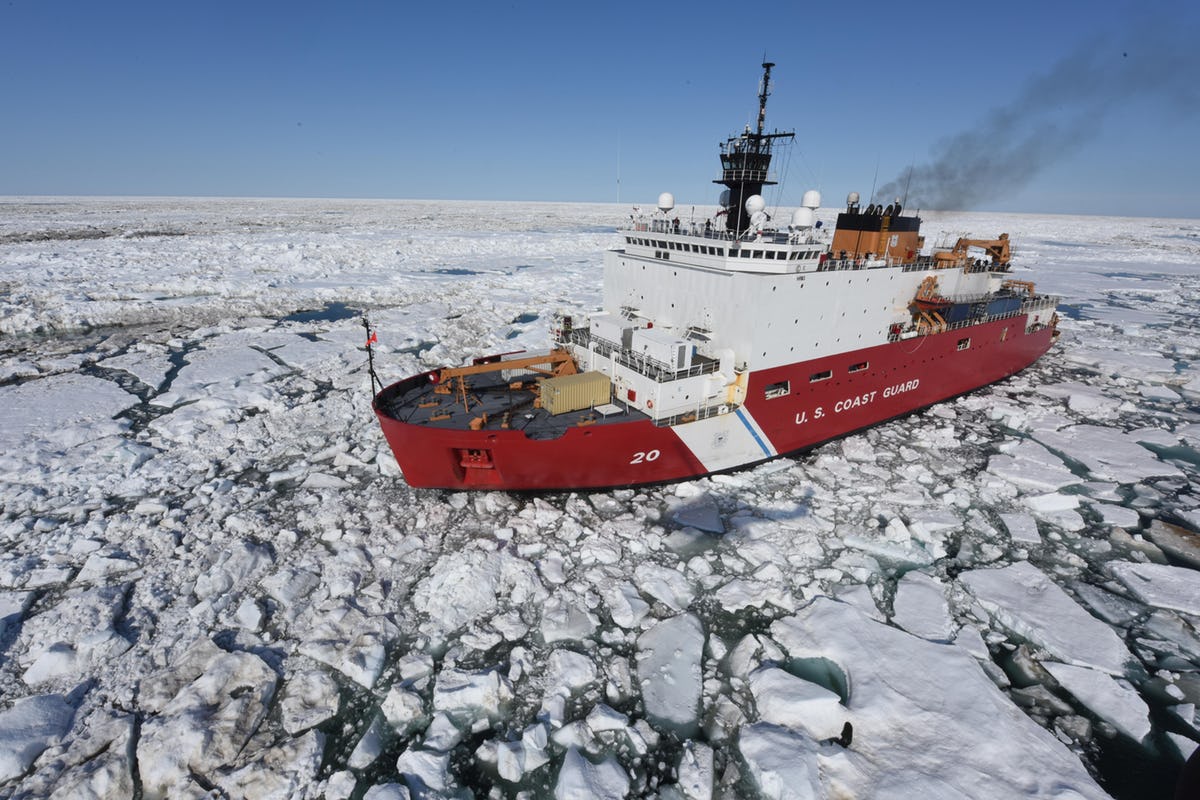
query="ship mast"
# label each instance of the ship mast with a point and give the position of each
(746, 161)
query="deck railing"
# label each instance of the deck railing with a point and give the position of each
(1034, 304)
(658, 371)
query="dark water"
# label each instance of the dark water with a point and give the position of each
(331, 312)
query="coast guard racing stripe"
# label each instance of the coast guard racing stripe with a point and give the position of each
(727, 440)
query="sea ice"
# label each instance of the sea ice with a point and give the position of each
(471, 695)
(1032, 467)
(186, 461)
(309, 698)
(27, 728)
(921, 608)
(206, 724)
(1108, 453)
(76, 635)
(669, 671)
(403, 709)
(1161, 585)
(283, 772)
(427, 772)
(1179, 542)
(580, 779)
(1023, 600)
(783, 699)
(695, 771)
(369, 746)
(782, 763)
(1109, 698)
(1022, 528)
(966, 727)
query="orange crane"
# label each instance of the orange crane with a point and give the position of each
(998, 249)
(453, 379)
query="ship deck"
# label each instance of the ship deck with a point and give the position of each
(490, 403)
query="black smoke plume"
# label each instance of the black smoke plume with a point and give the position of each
(1054, 114)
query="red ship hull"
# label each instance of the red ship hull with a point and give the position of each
(898, 378)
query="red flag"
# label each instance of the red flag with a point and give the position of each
(374, 339)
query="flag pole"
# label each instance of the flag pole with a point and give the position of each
(372, 338)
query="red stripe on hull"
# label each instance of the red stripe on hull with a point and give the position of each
(898, 378)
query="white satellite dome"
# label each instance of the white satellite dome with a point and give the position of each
(754, 204)
(852, 199)
(803, 218)
(666, 202)
(811, 199)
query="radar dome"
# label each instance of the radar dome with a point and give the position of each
(666, 201)
(755, 204)
(724, 201)
(811, 199)
(803, 218)
(852, 199)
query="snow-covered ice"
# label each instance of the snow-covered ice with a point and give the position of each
(1023, 600)
(213, 579)
(1111, 698)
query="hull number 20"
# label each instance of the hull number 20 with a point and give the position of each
(648, 455)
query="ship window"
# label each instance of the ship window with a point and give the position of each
(780, 389)
(720, 251)
(744, 253)
(758, 254)
(963, 344)
(820, 376)
(860, 366)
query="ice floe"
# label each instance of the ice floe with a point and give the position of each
(212, 578)
(1023, 600)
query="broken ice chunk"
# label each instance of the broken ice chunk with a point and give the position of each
(580, 778)
(1111, 699)
(1022, 528)
(921, 608)
(783, 699)
(1023, 600)
(309, 698)
(782, 763)
(27, 728)
(1161, 585)
(669, 669)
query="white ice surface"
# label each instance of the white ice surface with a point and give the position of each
(1161, 585)
(669, 671)
(1022, 599)
(1110, 698)
(190, 474)
(921, 608)
(917, 736)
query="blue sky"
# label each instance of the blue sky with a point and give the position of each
(557, 101)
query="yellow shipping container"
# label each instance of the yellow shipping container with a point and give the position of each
(575, 392)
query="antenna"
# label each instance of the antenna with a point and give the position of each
(907, 182)
(764, 92)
